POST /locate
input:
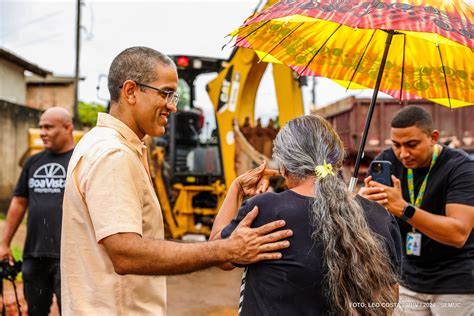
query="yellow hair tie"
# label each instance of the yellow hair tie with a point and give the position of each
(323, 170)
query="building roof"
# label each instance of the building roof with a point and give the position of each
(51, 80)
(349, 102)
(17, 60)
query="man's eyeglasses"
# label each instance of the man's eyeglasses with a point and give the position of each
(169, 96)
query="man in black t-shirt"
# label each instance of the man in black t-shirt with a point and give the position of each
(433, 198)
(40, 189)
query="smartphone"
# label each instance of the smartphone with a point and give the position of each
(381, 171)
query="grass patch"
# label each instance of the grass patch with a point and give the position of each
(17, 253)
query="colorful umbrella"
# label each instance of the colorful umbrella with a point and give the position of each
(407, 49)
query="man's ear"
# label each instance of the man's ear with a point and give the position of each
(69, 127)
(434, 136)
(128, 91)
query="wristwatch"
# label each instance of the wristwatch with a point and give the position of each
(408, 212)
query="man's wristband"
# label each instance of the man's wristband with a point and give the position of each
(408, 212)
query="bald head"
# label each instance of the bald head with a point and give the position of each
(56, 130)
(58, 114)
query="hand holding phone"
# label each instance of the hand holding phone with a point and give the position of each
(381, 171)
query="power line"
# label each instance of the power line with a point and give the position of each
(90, 33)
(37, 40)
(33, 21)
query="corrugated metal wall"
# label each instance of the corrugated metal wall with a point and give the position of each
(349, 123)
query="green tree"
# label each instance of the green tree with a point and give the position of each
(88, 112)
(185, 95)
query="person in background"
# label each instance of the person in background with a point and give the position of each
(433, 200)
(40, 189)
(345, 250)
(113, 253)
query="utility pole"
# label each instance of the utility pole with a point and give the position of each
(314, 91)
(78, 49)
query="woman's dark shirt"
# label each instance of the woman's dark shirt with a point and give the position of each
(293, 285)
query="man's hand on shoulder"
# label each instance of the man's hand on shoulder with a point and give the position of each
(249, 245)
(389, 197)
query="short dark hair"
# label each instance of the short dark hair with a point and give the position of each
(137, 64)
(413, 116)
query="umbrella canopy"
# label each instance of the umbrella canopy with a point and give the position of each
(407, 49)
(430, 56)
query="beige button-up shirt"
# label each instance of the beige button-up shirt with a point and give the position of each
(108, 191)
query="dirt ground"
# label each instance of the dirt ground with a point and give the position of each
(210, 292)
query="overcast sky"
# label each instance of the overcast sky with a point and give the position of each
(43, 32)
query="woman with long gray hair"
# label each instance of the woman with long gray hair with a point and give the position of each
(345, 251)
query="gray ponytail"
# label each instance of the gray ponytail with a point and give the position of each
(357, 267)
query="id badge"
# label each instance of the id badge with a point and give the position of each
(413, 244)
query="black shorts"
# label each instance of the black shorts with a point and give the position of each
(41, 279)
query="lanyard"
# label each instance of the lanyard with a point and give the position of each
(411, 186)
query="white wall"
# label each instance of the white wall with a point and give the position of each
(12, 82)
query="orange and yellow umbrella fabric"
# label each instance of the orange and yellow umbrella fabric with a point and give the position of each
(430, 55)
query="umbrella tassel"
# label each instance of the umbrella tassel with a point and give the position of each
(314, 56)
(353, 180)
(257, 7)
(403, 66)
(360, 60)
(231, 39)
(444, 73)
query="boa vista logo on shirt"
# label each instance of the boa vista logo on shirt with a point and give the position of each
(49, 178)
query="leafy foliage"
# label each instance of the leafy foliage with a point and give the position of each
(185, 95)
(88, 112)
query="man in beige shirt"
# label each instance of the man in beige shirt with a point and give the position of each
(113, 252)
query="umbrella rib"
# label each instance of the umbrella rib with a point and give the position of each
(360, 60)
(281, 41)
(403, 65)
(314, 56)
(241, 38)
(444, 73)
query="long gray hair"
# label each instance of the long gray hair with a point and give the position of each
(357, 267)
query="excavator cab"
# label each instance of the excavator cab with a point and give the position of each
(192, 159)
(188, 170)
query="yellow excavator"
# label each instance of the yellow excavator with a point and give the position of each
(191, 178)
(233, 94)
(191, 175)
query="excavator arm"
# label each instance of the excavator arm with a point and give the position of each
(189, 205)
(233, 95)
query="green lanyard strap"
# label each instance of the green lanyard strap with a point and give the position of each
(411, 187)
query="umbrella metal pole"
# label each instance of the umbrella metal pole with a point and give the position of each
(354, 178)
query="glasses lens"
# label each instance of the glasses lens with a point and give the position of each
(176, 98)
(172, 98)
